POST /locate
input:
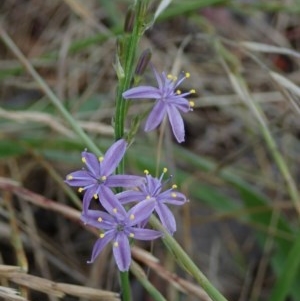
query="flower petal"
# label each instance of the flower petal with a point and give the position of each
(156, 116)
(166, 217)
(121, 251)
(176, 123)
(158, 79)
(100, 244)
(153, 185)
(112, 157)
(145, 234)
(92, 163)
(130, 196)
(140, 212)
(80, 178)
(172, 197)
(98, 219)
(180, 103)
(110, 202)
(142, 92)
(88, 197)
(124, 181)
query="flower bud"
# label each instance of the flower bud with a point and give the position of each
(143, 62)
(129, 20)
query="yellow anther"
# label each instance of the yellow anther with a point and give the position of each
(116, 244)
(69, 177)
(131, 235)
(187, 74)
(146, 172)
(178, 92)
(80, 189)
(103, 178)
(95, 196)
(100, 159)
(192, 104)
(170, 76)
(165, 170)
(83, 159)
(115, 210)
(193, 91)
(102, 235)
(100, 219)
(174, 195)
(174, 186)
(131, 216)
(148, 197)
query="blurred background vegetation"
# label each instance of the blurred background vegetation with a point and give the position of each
(238, 166)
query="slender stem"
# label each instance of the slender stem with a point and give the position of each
(126, 293)
(45, 88)
(187, 262)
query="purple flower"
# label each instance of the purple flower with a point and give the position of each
(152, 189)
(119, 226)
(98, 177)
(169, 101)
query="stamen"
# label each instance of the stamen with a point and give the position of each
(101, 159)
(103, 178)
(165, 170)
(100, 219)
(102, 235)
(170, 76)
(146, 172)
(192, 104)
(174, 186)
(148, 197)
(178, 92)
(132, 217)
(131, 235)
(69, 177)
(115, 210)
(116, 244)
(187, 74)
(95, 196)
(83, 159)
(174, 195)
(80, 189)
(193, 91)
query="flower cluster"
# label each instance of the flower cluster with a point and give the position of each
(117, 224)
(169, 101)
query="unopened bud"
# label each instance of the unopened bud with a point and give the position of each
(129, 21)
(143, 62)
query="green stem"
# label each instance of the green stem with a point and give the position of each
(125, 285)
(45, 88)
(187, 262)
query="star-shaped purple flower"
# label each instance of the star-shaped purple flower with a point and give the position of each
(152, 189)
(98, 177)
(169, 101)
(119, 226)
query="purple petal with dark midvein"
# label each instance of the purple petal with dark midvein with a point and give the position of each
(140, 212)
(100, 244)
(130, 196)
(156, 116)
(145, 234)
(158, 78)
(176, 123)
(88, 197)
(154, 185)
(124, 181)
(92, 163)
(110, 202)
(112, 157)
(80, 178)
(166, 217)
(142, 92)
(180, 103)
(169, 197)
(91, 217)
(122, 252)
